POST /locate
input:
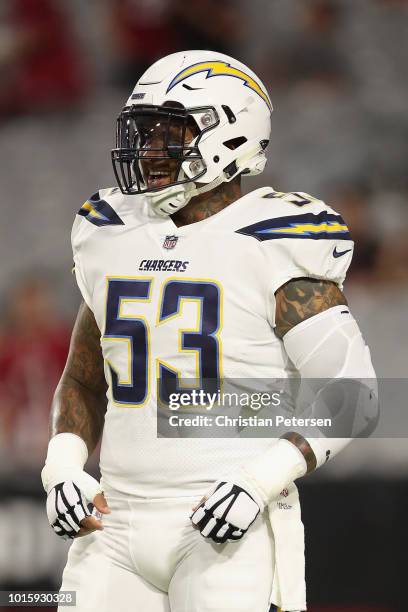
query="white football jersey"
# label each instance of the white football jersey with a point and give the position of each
(193, 302)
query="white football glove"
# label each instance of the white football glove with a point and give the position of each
(230, 508)
(70, 489)
(226, 514)
(67, 504)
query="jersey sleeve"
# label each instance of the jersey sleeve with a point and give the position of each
(96, 213)
(77, 237)
(304, 238)
(324, 258)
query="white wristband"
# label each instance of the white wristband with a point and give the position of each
(67, 452)
(271, 472)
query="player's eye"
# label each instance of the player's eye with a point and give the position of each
(141, 138)
(148, 137)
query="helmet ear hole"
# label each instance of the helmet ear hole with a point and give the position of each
(234, 143)
(230, 115)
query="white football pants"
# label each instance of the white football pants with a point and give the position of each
(149, 558)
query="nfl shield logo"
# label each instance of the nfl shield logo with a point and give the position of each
(170, 242)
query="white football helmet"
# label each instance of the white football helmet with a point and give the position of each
(195, 119)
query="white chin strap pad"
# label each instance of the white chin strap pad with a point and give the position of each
(327, 347)
(169, 200)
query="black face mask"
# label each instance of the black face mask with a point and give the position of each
(152, 143)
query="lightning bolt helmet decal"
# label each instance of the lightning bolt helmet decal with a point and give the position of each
(219, 68)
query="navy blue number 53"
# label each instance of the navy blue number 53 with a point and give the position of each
(134, 332)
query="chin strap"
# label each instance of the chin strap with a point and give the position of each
(169, 200)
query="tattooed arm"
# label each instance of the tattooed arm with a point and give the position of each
(78, 408)
(79, 404)
(298, 300)
(301, 298)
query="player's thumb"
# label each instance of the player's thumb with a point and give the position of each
(88, 485)
(101, 504)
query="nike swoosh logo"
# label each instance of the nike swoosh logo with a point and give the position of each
(337, 253)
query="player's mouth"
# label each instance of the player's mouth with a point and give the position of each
(158, 178)
(159, 173)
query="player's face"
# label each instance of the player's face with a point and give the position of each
(162, 144)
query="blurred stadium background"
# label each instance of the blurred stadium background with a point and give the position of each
(336, 72)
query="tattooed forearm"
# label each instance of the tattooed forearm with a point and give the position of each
(207, 204)
(303, 445)
(302, 298)
(79, 403)
(77, 410)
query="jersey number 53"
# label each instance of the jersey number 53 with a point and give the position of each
(134, 331)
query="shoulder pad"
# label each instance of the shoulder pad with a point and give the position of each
(298, 215)
(98, 211)
(298, 198)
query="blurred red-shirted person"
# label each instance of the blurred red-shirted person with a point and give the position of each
(145, 30)
(33, 349)
(39, 66)
(142, 31)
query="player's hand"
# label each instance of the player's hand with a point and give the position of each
(68, 508)
(226, 514)
(93, 523)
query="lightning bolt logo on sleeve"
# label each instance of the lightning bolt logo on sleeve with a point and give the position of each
(99, 212)
(321, 226)
(218, 68)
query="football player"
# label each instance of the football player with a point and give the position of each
(184, 277)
